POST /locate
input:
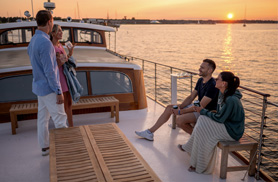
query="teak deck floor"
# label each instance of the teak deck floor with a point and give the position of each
(96, 153)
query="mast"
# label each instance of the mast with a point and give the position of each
(78, 11)
(244, 21)
(32, 9)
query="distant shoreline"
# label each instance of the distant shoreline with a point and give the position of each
(149, 21)
(192, 21)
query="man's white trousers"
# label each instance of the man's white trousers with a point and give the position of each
(47, 107)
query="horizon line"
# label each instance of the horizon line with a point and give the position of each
(58, 17)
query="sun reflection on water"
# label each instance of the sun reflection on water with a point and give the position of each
(227, 55)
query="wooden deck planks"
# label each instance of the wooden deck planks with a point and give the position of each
(67, 165)
(116, 151)
(96, 153)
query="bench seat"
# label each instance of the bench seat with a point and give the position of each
(245, 143)
(31, 108)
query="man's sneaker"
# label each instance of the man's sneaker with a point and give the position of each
(145, 134)
(45, 151)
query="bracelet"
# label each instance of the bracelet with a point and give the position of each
(179, 112)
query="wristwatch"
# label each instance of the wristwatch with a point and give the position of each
(59, 92)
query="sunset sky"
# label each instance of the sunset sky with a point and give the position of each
(150, 9)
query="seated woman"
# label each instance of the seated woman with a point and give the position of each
(227, 124)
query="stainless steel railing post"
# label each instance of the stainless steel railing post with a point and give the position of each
(155, 81)
(191, 82)
(143, 64)
(115, 46)
(263, 118)
(109, 39)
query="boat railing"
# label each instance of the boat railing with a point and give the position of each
(261, 116)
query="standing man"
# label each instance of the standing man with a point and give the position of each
(46, 84)
(187, 116)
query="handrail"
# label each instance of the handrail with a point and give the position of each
(271, 103)
(131, 57)
(256, 92)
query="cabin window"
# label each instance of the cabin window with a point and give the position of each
(82, 78)
(87, 36)
(16, 36)
(110, 82)
(66, 35)
(10, 87)
(16, 88)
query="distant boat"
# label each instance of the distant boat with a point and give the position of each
(154, 22)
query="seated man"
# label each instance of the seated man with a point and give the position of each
(207, 95)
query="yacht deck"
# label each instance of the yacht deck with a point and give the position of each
(21, 158)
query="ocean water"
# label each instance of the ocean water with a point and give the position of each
(250, 52)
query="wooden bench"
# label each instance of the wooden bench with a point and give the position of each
(30, 108)
(95, 153)
(245, 143)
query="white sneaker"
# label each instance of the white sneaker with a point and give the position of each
(145, 134)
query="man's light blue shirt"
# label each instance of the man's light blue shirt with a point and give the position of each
(45, 69)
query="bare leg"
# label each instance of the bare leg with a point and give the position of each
(162, 119)
(184, 122)
(68, 107)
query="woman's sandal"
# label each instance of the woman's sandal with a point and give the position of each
(191, 169)
(180, 147)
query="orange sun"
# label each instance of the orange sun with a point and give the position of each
(230, 15)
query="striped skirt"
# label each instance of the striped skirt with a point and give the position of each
(201, 146)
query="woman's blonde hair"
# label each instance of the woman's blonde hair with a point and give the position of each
(54, 30)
